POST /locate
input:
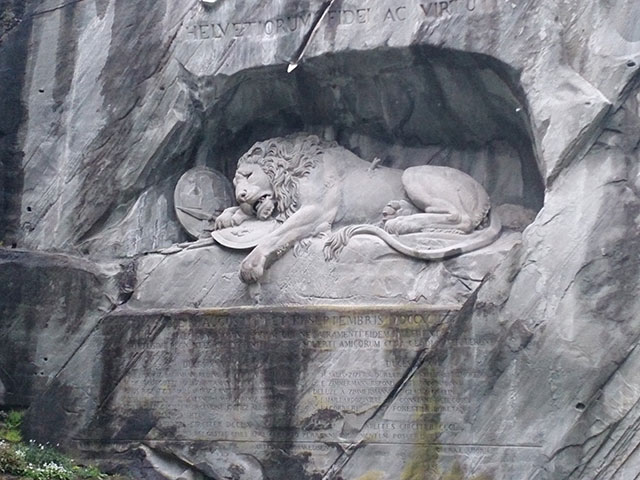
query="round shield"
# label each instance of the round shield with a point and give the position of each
(200, 196)
(246, 235)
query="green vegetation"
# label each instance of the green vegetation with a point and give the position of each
(33, 461)
(10, 427)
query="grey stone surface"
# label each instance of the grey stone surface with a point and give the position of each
(569, 328)
(105, 103)
(166, 92)
(346, 393)
(150, 118)
(367, 272)
(48, 305)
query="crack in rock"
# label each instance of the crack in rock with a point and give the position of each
(349, 448)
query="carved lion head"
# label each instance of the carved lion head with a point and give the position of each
(285, 161)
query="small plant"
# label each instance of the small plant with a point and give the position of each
(11, 459)
(89, 473)
(10, 426)
(33, 461)
(14, 419)
(12, 436)
(48, 471)
(40, 462)
(37, 454)
(8, 20)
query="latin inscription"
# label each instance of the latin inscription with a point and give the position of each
(274, 26)
(335, 18)
(237, 368)
(301, 381)
(447, 7)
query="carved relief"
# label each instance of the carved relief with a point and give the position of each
(303, 186)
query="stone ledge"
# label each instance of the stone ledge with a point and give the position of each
(208, 277)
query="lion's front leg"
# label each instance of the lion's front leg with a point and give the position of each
(304, 223)
(230, 217)
(253, 266)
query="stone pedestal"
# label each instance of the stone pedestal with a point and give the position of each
(277, 393)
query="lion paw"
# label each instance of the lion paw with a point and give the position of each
(231, 217)
(397, 208)
(252, 267)
(225, 219)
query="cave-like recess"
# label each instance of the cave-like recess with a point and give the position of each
(407, 106)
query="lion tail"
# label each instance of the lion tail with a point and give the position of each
(473, 241)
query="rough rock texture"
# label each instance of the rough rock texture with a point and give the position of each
(106, 102)
(110, 128)
(569, 328)
(281, 386)
(48, 306)
(209, 277)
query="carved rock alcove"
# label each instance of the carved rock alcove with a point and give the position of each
(338, 375)
(402, 107)
(410, 106)
(406, 106)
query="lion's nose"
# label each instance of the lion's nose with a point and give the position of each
(242, 195)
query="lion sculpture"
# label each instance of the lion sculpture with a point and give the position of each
(311, 186)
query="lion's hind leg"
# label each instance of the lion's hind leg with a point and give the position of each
(425, 214)
(435, 197)
(428, 222)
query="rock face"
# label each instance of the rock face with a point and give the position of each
(158, 360)
(342, 392)
(49, 304)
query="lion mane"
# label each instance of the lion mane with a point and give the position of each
(285, 161)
